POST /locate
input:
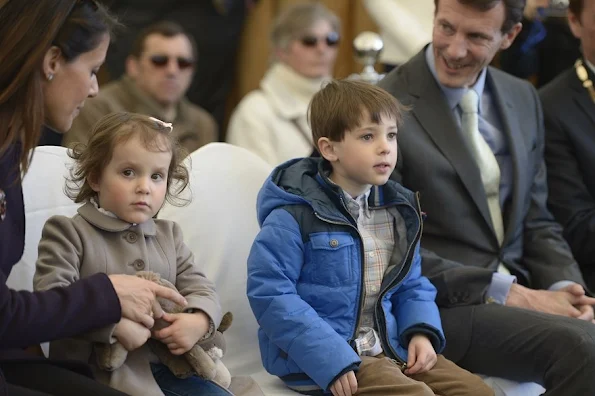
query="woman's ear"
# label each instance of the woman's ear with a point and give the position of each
(51, 62)
(327, 149)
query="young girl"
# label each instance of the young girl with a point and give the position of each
(129, 168)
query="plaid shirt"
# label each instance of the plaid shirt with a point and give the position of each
(377, 229)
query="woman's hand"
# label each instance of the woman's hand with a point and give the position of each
(138, 298)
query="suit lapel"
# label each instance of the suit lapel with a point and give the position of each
(432, 112)
(518, 152)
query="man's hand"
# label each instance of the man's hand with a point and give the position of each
(422, 356)
(586, 310)
(131, 334)
(569, 301)
(184, 331)
(345, 385)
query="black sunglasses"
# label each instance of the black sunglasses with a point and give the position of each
(163, 60)
(332, 39)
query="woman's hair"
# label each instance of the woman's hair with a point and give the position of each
(117, 128)
(28, 28)
(297, 19)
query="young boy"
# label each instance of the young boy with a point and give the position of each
(334, 276)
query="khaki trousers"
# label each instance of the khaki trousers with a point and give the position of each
(380, 376)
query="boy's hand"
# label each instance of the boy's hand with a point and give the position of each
(131, 334)
(184, 331)
(345, 385)
(422, 356)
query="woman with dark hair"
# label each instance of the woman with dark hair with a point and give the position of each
(50, 52)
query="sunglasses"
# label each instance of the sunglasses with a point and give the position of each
(163, 60)
(332, 40)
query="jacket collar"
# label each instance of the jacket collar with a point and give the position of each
(389, 194)
(145, 104)
(112, 224)
(290, 92)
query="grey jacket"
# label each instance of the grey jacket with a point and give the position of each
(90, 242)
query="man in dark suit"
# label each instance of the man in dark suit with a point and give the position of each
(569, 113)
(508, 287)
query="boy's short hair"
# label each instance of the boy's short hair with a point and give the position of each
(338, 107)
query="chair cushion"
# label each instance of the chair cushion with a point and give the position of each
(219, 226)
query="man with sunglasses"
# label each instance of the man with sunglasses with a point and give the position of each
(159, 71)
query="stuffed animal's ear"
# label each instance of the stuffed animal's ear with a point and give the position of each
(225, 322)
(110, 357)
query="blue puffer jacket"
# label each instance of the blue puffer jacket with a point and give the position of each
(305, 279)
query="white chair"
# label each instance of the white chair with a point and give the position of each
(43, 193)
(219, 226)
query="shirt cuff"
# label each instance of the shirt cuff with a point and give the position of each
(499, 288)
(561, 284)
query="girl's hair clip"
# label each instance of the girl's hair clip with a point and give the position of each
(162, 124)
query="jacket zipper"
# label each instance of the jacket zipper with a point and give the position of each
(362, 265)
(382, 326)
(398, 361)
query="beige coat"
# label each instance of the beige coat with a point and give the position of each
(193, 126)
(91, 242)
(271, 121)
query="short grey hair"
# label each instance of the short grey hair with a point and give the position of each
(295, 20)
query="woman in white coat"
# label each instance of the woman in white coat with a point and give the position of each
(272, 120)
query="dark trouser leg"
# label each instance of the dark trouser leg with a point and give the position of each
(524, 346)
(53, 380)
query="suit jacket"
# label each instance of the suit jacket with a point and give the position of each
(569, 115)
(460, 248)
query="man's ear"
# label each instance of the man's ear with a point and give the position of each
(52, 61)
(132, 66)
(511, 35)
(575, 25)
(327, 149)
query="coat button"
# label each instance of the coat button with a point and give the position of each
(131, 237)
(138, 265)
(334, 243)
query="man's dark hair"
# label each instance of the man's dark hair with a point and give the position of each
(513, 8)
(163, 28)
(576, 7)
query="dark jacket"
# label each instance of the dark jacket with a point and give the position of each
(460, 251)
(569, 114)
(31, 318)
(305, 278)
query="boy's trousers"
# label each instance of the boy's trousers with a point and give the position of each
(380, 376)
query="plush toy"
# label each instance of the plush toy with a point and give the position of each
(203, 359)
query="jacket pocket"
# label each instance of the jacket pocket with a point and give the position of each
(332, 259)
